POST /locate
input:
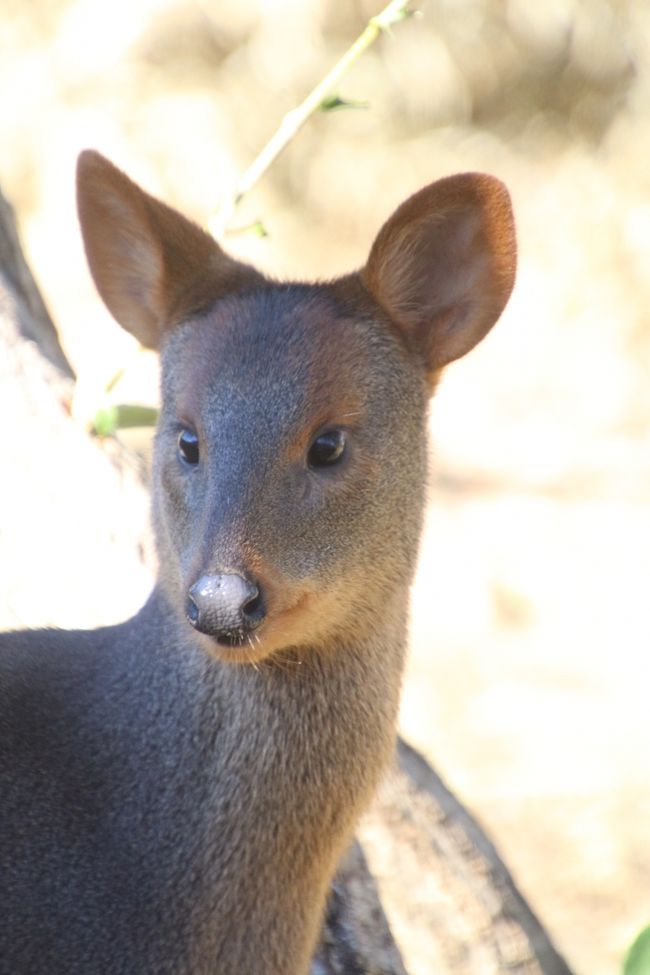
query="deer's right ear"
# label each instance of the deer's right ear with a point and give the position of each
(151, 265)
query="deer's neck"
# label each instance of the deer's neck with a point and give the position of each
(310, 700)
(254, 774)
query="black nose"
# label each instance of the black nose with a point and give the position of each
(226, 606)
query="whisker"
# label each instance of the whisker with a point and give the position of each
(287, 664)
(252, 647)
(281, 663)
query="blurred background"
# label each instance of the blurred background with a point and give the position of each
(528, 683)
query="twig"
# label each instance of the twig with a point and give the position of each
(293, 121)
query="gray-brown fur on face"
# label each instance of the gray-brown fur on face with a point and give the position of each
(171, 805)
(257, 378)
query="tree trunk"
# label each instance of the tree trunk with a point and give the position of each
(452, 903)
(31, 317)
(451, 898)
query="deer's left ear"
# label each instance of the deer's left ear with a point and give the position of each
(443, 265)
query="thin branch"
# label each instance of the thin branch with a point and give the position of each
(293, 121)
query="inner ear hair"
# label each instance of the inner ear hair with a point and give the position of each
(443, 265)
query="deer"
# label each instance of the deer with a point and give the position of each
(176, 790)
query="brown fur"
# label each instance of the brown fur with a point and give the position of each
(169, 803)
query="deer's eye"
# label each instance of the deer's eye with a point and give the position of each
(327, 449)
(188, 446)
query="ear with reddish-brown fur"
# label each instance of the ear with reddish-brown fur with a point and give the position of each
(152, 266)
(443, 265)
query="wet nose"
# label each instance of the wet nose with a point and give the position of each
(227, 606)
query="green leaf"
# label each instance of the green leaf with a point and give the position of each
(257, 228)
(637, 961)
(122, 417)
(105, 422)
(333, 102)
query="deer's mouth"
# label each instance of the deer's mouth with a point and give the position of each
(291, 626)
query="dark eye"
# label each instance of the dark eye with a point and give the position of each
(327, 449)
(188, 445)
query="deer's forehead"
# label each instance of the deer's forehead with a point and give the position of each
(285, 352)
